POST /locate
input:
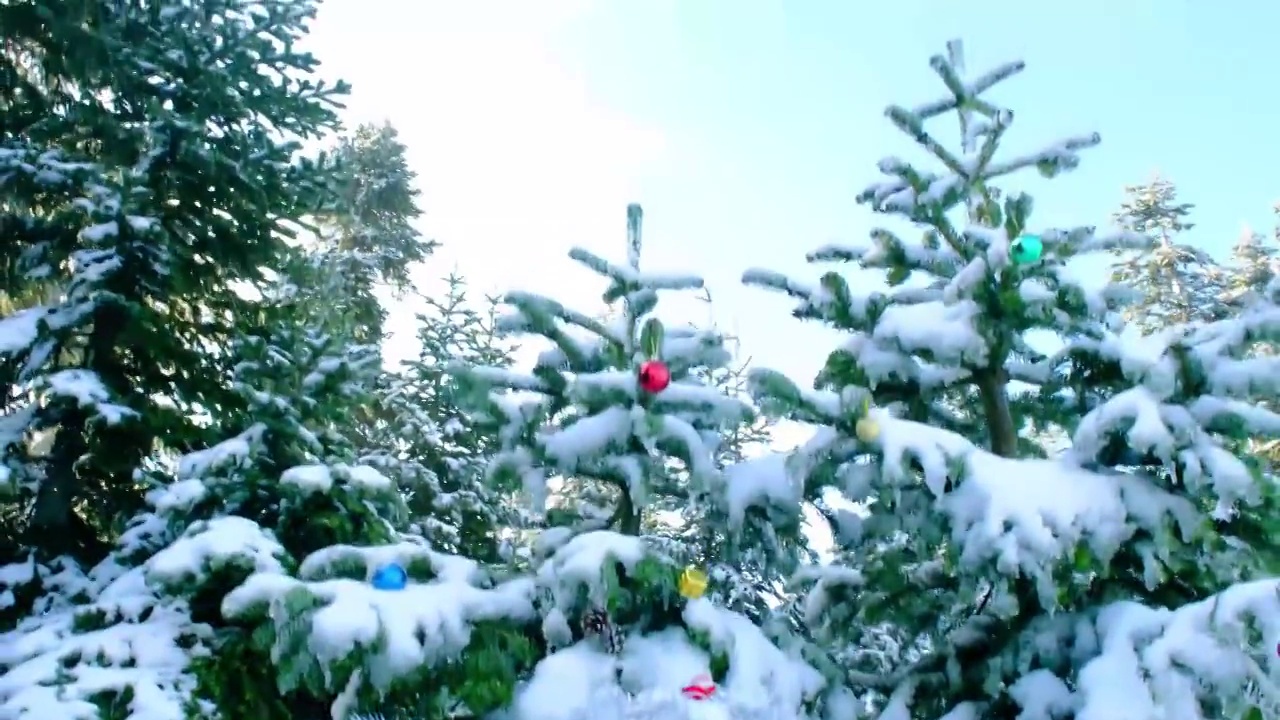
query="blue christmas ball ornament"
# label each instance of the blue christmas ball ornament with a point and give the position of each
(390, 577)
(1026, 249)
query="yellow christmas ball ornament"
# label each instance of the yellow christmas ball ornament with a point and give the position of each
(693, 583)
(866, 429)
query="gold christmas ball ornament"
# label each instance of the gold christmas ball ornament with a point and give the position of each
(866, 429)
(693, 583)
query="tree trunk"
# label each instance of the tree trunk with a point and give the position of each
(993, 388)
(54, 527)
(628, 514)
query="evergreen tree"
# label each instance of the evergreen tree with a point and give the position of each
(144, 175)
(145, 187)
(280, 488)
(225, 594)
(438, 451)
(365, 238)
(1256, 265)
(359, 254)
(1255, 262)
(1178, 283)
(619, 640)
(1119, 579)
(749, 560)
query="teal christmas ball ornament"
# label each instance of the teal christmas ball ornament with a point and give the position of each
(390, 577)
(1026, 249)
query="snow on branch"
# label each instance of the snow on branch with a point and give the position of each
(541, 312)
(1020, 516)
(1210, 659)
(890, 251)
(1154, 662)
(831, 300)
(1192, 389)
(1027, 518)
(582, 563)
(85, 389)
(628, 280)
(398, 632)
(57, 663)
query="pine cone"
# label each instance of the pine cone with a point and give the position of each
(598, 623)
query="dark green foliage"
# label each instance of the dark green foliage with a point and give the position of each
(190, 312)
(365, 239)
(160, 179)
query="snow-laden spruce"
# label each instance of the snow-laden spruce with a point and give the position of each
(140, 635)
(143, 636)
(613, 429)
(671, 643)
(978, 574)
(602, 456)
(123, 257)
(244, 590)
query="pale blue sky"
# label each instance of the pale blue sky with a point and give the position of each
(746, 128)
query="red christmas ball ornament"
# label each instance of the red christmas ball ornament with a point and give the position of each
(654, 376)
(702, 688)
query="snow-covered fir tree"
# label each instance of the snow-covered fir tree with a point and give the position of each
(197, 435)
(132, 202)
(280, 488)
(590, 444)
(1255, 262)
(244, 591)
(441, 453)
(1178, 283)
(752, 560)
(1120, 579)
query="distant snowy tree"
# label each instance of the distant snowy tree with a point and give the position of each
(1178, 283)
(1255, 268)
(431, 443)
(620, 641)
(1255, 262)
(365, 238)
(1124, 578)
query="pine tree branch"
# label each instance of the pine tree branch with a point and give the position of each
(987, 635)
